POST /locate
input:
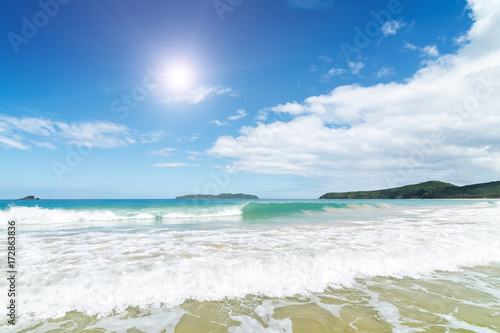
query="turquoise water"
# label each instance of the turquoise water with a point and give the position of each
(255, 266)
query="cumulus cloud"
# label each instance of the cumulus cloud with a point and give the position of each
(292, 108)
(441, 123)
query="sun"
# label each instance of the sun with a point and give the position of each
(180, 76)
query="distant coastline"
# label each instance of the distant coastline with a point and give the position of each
(220, 196)
(426, 190)
(29, 197)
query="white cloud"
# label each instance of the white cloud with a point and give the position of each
(152, 137)
(37, 126)
(95, 134)
(161, 152)
(220, 123)
(325, 59)
(334, 72)
(390, 28)
(410, 46)
(46, 145)
(239, 114)
(174, 165)
(441, 123)
(385, 71)
(11, 142)
(293, 108)
(44, 133)
(429, 50)
(356, 67)
(262, 115)
(191, 138)
(193, 155)
(197, 95)
(12, 130)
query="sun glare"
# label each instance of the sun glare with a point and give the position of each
(180, 77)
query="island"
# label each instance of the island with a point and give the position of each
(220, 196)
(427, 190)
(30, 197)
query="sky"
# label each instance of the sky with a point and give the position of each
(277, 98)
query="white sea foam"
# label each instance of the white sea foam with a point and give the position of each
(99, 273)
(45, 216)
(38, 215)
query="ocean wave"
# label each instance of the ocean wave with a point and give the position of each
(251, 210)
(39, 215)
(269, 209)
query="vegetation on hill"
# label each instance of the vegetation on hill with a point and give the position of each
(220, 196)
(475, 191)
(426, 190)
(30, 197)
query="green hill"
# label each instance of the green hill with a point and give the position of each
(426, 190)
(220, 196)
(476, 191)
(30, 197)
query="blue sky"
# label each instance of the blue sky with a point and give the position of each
(281, 98)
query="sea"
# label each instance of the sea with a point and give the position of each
(252, 266)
